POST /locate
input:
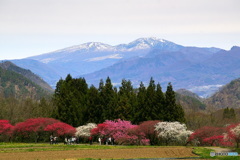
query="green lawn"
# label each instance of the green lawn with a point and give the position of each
(28, 147)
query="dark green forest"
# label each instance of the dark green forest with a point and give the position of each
(77, 103)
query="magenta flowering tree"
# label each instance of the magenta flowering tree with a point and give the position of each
(123, 132)
(32, 128)
(61, 129)
(5, 129)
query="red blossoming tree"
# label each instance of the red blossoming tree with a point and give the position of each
(100, 130)
(208, 136)
(33, 128)
(233, 134)
(5, 129)
(60, 129)
(148, 128)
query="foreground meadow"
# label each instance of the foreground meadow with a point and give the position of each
(25, 151)
(30, 151)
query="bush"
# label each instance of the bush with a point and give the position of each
(123, 132)
(5, 130)
(172, 132)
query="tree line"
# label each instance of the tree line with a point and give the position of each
(78, 104)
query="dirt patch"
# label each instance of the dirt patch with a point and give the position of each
(159, 152)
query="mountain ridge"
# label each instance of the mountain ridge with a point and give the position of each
(7, 65)
(158, 55)
(227, 96)
(16, 85)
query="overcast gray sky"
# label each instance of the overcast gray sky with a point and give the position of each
(32, 27)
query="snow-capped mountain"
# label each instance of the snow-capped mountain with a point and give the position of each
(147, 43)
(92, 50)
(90, 46)
(90, 57)
(165, 61)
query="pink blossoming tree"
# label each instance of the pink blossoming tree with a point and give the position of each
(123, 132)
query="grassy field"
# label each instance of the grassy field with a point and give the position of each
(28, 147)
(28, 151)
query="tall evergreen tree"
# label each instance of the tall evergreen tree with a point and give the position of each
(173, 112)
(140, 111)
(158, 109)
(150, 100)
(80, 90)
(101, 100)
(108, 100)
(229, 113)
(94, 110)
(170, 103)
(70, 98)
(126, 101)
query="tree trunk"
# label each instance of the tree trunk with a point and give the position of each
(212, 142)
(36, 139)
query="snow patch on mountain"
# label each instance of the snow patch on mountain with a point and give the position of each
(90, 46)
(112, 56)
(147, 43)
(47, 60)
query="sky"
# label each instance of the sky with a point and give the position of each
(34, 27)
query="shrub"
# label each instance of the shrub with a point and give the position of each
(172, 132)
(85, 130)
(60, 129)
(32, 129)
(148, 128)
(123, 132)
(5, 130)
(213, 136)
(233, 134)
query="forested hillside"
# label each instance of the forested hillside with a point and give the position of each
(189, 102)
(15, 85)
(26, 73)
(228, 96)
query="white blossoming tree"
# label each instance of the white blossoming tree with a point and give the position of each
(234, 133)
(84, 131)
(172, 132)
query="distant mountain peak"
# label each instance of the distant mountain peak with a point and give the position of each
(6, 64)
(235, 48)
(151, 39)
(95, 46)
(90, 46)
(149, 43)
